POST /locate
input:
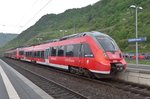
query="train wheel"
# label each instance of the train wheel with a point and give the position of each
(88, 74)
(33, 61)
(76, 70)
(81, 71)
(71, 70)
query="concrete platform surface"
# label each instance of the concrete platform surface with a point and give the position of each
(14, 85)
(136, 76)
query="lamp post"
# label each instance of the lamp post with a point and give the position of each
(136, 28)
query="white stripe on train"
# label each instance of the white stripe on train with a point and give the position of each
(66, 67)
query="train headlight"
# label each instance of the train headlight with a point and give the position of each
(105, 55)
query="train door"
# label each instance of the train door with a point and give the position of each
(86, 55)
(81, 55)
(24, 55)
(46, 55)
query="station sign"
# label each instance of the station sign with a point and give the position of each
(141, 39)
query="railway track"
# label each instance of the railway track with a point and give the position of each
(132, 88)
(56, 90)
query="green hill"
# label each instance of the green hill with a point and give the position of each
(113, 17)
(4, 38)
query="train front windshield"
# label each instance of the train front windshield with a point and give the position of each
(107, 43)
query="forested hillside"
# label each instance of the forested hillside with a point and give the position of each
(114, 17)
(4, 38)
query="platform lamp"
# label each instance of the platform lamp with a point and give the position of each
(136, 28)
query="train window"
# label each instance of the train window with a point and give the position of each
(87, 51)
(34, 54)
(38, 53)
(61, 51)
(50, 51)
(76, 50)
(81, 54)
(107, 43)
(26, 54)
(69, 50)
(53, 51)
(30, 54)
(42, 54)
(21, 52)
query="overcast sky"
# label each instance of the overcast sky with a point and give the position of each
(18, 15)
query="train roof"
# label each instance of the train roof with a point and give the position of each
(96, 33)
(77, 35)
(93, 33)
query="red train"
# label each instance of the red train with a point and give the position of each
(84, 53)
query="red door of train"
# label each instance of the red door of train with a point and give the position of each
(81, 55)
(46, 55)
(86, 55)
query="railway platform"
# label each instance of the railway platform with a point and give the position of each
(13, 85)
(137, 74)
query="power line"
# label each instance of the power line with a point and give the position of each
(27, 12)
(35, 2)
(4, 25)
(36, 13)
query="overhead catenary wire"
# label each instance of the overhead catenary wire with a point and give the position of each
(25, 14)
(6, 25)
(35, 2)
(35, 14)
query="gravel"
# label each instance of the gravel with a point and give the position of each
(85, 87)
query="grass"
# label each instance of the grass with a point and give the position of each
(133, 61)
